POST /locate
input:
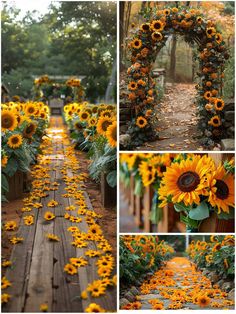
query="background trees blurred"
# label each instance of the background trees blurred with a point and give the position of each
(72, 38)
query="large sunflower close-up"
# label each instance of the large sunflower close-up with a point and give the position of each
(185, 181)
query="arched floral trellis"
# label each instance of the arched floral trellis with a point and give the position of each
(212, 55)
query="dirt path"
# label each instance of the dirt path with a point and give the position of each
(38, 275)
(178, 285)
(177, 120)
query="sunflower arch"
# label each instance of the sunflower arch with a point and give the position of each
(148, 40)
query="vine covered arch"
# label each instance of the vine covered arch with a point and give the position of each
(148, 40)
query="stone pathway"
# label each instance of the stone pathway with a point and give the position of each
(178, 285)
(177, 117)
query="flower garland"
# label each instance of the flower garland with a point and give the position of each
(148, 40)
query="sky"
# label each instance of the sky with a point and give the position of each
(29, 5)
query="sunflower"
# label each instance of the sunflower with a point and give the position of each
(207, 95)
(185, 181)
(94, 229)
(141, 122)
(78, 126)
(103, 124)
(219, 104)
(96, 288)
(210, 31)
(94, 308)
(112, 134)
(92, 122)
(30, 109)
(221, 193)
(147, 172)
(70, 269)
(218, 38)
(157, 25)
(49, 215)
(84, 116)
(4, 160)
(145, 27)
(94, 109)
(132, 85)
(157, 36)
(203, 300)
(15, 141)
(9, 120)
(43, 307)
(29, 130)
(215, 121)
(137, 43)
(52, 237)
(78, 261)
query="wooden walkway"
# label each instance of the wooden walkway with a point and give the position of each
(37, 274)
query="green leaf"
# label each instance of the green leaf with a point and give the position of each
(5, 185)
(200, 212)
(227, 216)
(138, 187)
(11, 167)
(180, 208)
(111, 178)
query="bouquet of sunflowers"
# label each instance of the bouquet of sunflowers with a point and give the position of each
(198, 187)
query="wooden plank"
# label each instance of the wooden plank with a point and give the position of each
(138, 211)
(18, 275)
(66, 288)
(41, 271)
(147, 201)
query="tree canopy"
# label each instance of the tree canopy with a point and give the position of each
(72, 38)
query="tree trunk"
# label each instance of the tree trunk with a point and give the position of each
(173, 58)
(109, 97)
(121, 24)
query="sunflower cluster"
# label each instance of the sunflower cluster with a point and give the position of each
(44, 79)
(196, 290)
(79, 214)
(149, 38)
(23, 126)
(91, 121)
(73, 82)
(219, 250)
(141, 254)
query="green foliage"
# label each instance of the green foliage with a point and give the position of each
(74, 38)
(103, 159)
(229, 79)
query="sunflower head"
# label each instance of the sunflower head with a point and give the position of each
(15, 141)
(29, 130)
(141, 122)
(145, 27)
(136, 43)
(219, 104)
(103, 124)
(8, 120)
(157, 36)
(215, 121)
(157, 25)
(112, 134)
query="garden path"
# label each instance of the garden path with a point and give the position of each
(180, 277)
(177, 120)
(37, 274)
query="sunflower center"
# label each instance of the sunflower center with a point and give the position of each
(15, 140)
(188, 181)
(105, 125)
(157, 25)
(7, 122)
(136, 43)
(163, 168)
(215, 121)
(146, 27)
(219, 104)
(222, 191)
(31, 110)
